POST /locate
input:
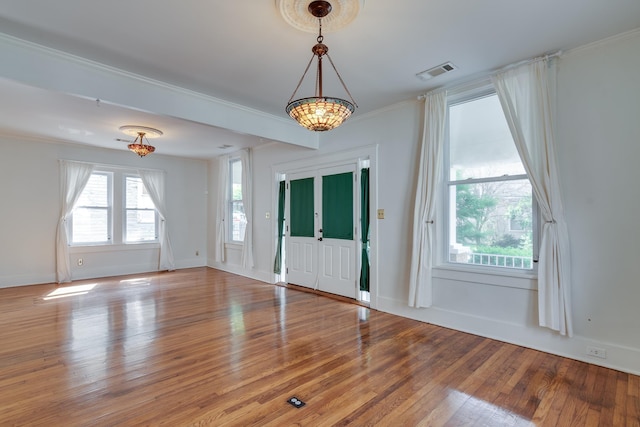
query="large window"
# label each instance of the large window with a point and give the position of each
(238, 223)
(93, 222)
(490, 207)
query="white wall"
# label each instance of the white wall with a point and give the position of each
(598, 136)
(30, 208)
(599, 150)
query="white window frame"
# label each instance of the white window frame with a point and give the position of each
(443, 262)
(117, 212)
(230, 202)
(125, 209)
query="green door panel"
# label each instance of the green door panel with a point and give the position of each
(301, 207)
(337, 206)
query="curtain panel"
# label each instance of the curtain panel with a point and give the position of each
(277, 262)
(247, 203)
(221, 207)
(364, 227)
(73, 178)
(420, 280)
(154, 182)
(527, 96)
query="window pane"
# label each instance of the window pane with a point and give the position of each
(90, 225)
(96, 193)
(482, 222)
(480, 144)
(140, 225)
(136, 194)
(239, 222)
(140, 221)
(236, 179)
(91, 217)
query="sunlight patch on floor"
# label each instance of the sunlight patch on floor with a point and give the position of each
(137, 281)
(69, 291)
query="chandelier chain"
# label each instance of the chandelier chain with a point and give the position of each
(320, 36)
(341, 81)
(302, 78)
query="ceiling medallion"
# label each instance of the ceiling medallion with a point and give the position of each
(296, 13)
(141, 133)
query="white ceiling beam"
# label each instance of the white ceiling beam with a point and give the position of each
(50, 69)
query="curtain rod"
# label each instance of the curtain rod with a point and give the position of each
(487, 77)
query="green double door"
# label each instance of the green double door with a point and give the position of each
(321, 237)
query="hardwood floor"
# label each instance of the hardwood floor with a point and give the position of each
(202, 347)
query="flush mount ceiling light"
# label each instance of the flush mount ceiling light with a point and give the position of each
(141, 133)
(320, 113)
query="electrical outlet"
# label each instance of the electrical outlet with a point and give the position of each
(80, 262)
(597, 352)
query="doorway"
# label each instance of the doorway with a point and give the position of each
(318, 239)
(322, 232)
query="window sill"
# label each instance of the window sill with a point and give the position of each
(118, 247)
(487, 276)
(234, 245)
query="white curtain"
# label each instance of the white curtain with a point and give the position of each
(420, 281)
(73, 178)
(247, 203)
(221, 211)
(527, 95)
(154, 183)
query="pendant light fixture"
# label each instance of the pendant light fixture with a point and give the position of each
(320, 113)
(141, 133)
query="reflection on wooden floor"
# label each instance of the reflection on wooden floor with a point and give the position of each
(203, 347)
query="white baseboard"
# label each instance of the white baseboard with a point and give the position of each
(618, 357)
(85, 272)
(26, 279)
(262, 276)
(191, 263)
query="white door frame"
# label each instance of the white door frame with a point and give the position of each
(369, 153)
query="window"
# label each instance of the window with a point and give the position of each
(491, 219)
(140, 224)
(91, 218)
(107, 191)
(238, 221)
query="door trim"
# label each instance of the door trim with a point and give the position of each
(369, 153)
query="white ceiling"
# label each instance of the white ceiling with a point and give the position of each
(244, 53)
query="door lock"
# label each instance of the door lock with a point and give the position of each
(320, 239)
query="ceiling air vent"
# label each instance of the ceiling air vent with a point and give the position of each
(436, 71)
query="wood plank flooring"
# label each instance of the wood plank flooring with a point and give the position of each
(200, 347)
